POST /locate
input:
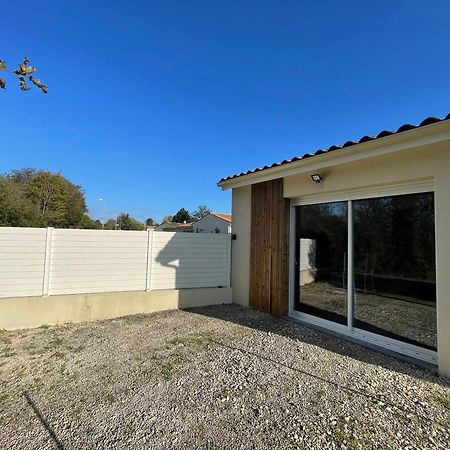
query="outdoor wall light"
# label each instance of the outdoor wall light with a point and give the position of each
(316, 178)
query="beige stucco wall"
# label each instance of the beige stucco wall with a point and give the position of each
(29, 312)
(442, 208)
(240, 250)
(420, 163)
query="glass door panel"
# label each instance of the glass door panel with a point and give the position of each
(394, 267)
(320, 260)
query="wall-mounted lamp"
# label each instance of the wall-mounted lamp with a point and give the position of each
(316, 178)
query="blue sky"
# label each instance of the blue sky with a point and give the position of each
(152, 102)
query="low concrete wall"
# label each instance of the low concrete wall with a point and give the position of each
(29, 312)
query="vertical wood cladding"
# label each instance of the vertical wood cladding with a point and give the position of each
(269, 262)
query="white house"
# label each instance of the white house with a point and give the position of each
(213, 223)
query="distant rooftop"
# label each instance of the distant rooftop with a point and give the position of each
(223, 216)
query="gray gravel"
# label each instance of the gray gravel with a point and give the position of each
(211, 378)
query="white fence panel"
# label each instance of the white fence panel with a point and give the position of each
(307, 254)
(39, 261)
(90, 261)
(22, 257)
(189, 260)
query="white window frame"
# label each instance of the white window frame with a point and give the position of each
(412, 187)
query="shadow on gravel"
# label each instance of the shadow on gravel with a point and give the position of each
(375, 399)
(44, 423)
(298, 332)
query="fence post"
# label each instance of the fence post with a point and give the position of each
(47, 261)
(148, 284)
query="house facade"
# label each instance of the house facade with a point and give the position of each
(213, 223)
(353, 239)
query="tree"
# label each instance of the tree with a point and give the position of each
(61, 203)
(90, 224)
(182, 216)
(22, 72)
(75, 208)
(15, 209)
(149, 222)
(167, 219)
(39, 198)
(125, 222)
(110, 224)
(200, 212)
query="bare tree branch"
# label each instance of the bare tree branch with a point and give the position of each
(22, 72)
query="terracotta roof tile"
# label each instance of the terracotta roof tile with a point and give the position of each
(226, 217)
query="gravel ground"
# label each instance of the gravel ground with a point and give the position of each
(220, 377)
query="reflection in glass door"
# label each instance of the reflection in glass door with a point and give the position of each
(386, 248)
(394, 267)
(321, 260)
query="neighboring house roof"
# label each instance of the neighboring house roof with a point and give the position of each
(174, 226)
(186, 224)
(222, 216)
(226, 217)
(406, 127)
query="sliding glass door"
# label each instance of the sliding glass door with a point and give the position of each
(389, 285)
(394, 267)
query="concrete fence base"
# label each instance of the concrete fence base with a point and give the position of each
(30, 312)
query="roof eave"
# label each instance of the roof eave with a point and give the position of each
(221, 218)
(434, 133)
